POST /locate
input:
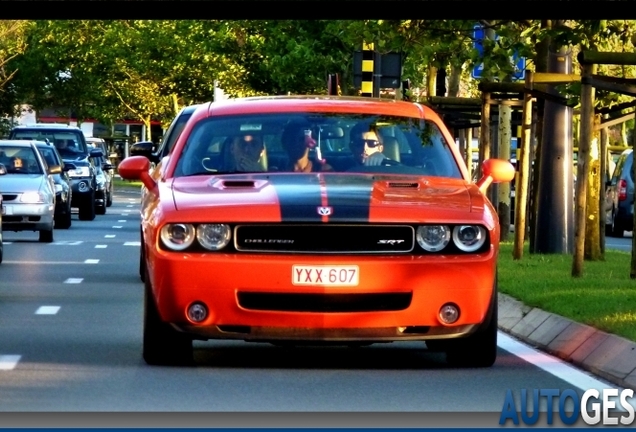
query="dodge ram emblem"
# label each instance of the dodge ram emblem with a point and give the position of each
(325, 211)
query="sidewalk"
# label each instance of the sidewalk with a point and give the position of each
(606, 355)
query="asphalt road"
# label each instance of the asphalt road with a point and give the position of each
(70, 341)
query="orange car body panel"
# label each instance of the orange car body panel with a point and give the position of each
(217, 278)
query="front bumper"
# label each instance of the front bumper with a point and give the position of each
(422, 286)
(27, 217)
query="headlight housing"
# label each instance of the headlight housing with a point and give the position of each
(181, 236)
(32, 198)
(469, 238)
(178, 236)
(433, 238)
(80, 172)
(214, 236)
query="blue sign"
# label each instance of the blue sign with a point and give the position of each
(518, 63)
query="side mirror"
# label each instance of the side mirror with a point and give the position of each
(107, 166)
(69, 166)
(495, 171)
(95, 153)
(142, 148)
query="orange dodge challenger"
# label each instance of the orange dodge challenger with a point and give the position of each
(318, 219)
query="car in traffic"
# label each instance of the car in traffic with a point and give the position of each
(619, 197)
(318, 220)
(71, 144)
(105, 174)
(28, 190)
(63, 191)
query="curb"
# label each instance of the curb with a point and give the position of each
(609, 356)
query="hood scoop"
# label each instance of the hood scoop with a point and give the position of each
(238, 184)
(403, 185)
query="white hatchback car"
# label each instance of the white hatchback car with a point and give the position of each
(28, 190)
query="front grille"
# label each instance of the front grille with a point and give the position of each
(325, 238)
(325, 302)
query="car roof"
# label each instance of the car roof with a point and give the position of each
(47, 126)
(318, 103)
(18, 143)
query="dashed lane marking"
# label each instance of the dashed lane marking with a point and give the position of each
(47, 310)
(74, 280)
(8, 362)
(132, 244)
(91, 261)
(101, 246)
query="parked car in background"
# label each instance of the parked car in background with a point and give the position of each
(63, 190)
(619, 197)
(295, 239)
(28, 190)
(71, 144)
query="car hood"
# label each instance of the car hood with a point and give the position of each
(21, 182)
(326, 198)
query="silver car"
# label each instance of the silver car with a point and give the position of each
(28, 190)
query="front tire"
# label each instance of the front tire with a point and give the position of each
(617, 228)
(46, 235)
(87, 210)
(480, 348)
(162, 345)
(64, 221)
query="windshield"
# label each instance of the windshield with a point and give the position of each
(68, 143)
(20, 160)
(49, 155)
(287, 142)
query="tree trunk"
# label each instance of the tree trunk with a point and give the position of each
(454, 80)
(147, 125)
(592, 235)
(505, 139)
(431, 80)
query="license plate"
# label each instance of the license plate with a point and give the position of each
(325, 275)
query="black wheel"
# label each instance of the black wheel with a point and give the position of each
(64, 220)
(617, 227)
(109, 198)
(100, 209)
(87, 210)
(162, 345)
(46, 236)
(480, 348)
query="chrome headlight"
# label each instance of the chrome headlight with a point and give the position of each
(32, 198)
(469, 238)
(214, 236)
(433, 238)
(178, 236)
(80, 172)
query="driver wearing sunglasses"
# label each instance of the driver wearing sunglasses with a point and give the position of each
(366, 145)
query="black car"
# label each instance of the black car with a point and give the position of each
(63, 190)
(147, 148)
(71, 144)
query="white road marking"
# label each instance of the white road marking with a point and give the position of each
(8, 362)
(47, 310)
(101, 246)
(109, 236)
(117, 226)
(91, 261)
(73, 280)
(132, 244)
(121, 220)
(550, 364)
(67, 242)
(6, 243)
(41, 262)
(129, 206)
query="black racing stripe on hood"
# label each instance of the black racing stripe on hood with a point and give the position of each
(299, 197)
(350, 197)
